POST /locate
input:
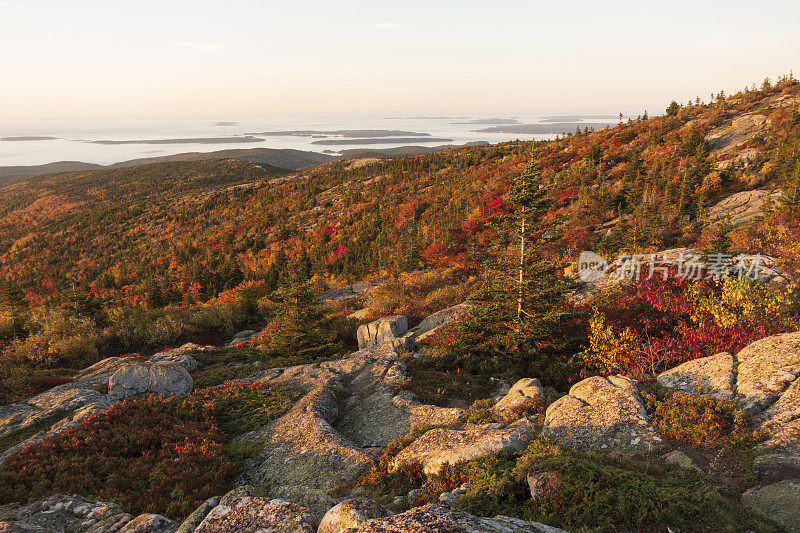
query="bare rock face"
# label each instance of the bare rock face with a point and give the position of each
(781, 422)
(524, 390)
(742, 207)
(350, 291)
(302, 448)
(766, 368)
(148, 523)
(714, 375)
(432, 323)
(62, 398)
(602, 413)
(61, 407)
(350, 514)
(378, 418)
(440, 446)
(316, 502)
(433, 518)
(102, 370)
(196, 518)
(181, 356)
(140, 379)
(727, 139)
(389, 329)
(254, 514)
(64, 512)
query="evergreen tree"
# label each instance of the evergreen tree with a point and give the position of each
(721, 242)
(791, 190)
(510, 330)
(298, 324)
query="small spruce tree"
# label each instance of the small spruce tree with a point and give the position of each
(511, 329)
(298, 328)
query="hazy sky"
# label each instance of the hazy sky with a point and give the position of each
(240, 58)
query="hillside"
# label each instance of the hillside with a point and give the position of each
(281, 158)
(690, 384)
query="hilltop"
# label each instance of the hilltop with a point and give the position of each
(103, 268)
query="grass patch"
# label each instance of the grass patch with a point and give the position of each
(12, 439)
(240, 363)
(435, 382)
(157, 455)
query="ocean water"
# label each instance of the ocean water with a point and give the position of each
(77, 140)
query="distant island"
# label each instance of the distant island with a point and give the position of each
(28, 138)
(575, 118)
(193, 140)
(544, 128)
(342, 133)
(226, 123)
(490, 121)
(389, 140)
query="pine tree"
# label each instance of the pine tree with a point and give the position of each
(510, 330)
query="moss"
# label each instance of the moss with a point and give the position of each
(592, 491)
(240, 451)
(604, 493)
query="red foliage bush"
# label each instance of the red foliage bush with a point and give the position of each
(659, 314)
(161, 455)
(50, 382)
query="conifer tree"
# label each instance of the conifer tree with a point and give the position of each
(791, 190)
(518, 305)
(298, 323)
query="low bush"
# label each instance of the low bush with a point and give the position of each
(584, 491)
(160, 455)
(646, 327)
(701, 421)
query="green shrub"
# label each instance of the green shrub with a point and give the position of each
(702, 421)
(480, 412)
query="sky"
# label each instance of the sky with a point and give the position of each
(240, 58)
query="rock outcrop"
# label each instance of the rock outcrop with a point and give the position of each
(431, 324)
(524, 390)
(743, 207)
(602, 413)
(714, 375)
(351, 513)
(75, 514)
(440, 446)
(390, 329)
(181, 355)
(350, 291)
(781, 422)
(766, 368)
(726, 140)
(59, 408)
(245, 513)
(378, 418)
(142, 379)
(433, 518)
(302, 448)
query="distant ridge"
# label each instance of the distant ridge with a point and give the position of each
(288, 159)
